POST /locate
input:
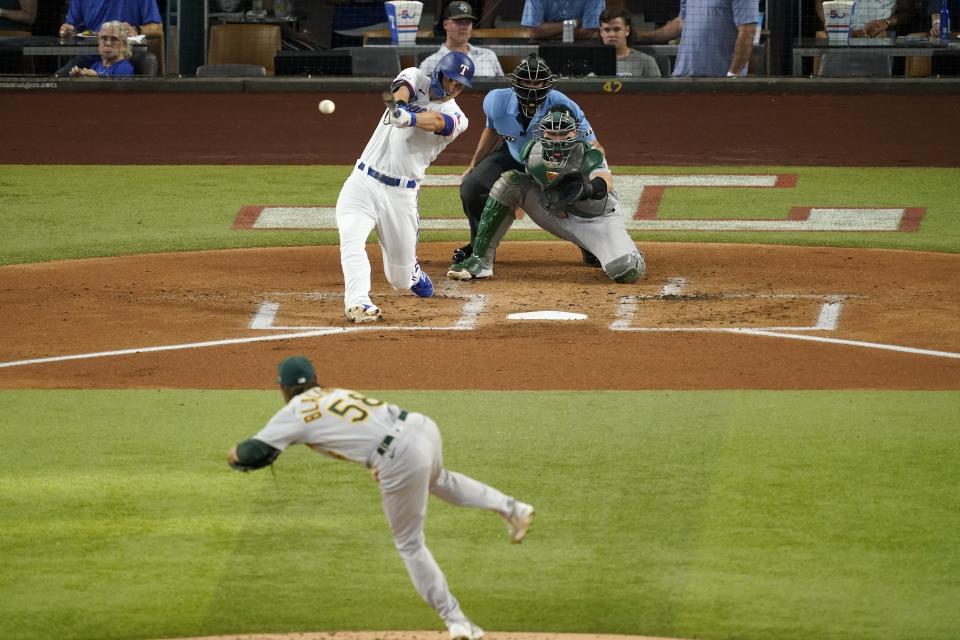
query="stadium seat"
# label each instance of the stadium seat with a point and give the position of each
(145, 63)
(244, 44)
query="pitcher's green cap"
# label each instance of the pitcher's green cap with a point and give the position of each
(294, 371)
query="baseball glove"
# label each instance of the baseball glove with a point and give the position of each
(563, 192)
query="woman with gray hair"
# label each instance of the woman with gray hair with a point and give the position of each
(114, 53)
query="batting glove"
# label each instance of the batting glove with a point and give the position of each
(401, 118)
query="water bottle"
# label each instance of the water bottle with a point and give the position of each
(568, 28)
(944, 20)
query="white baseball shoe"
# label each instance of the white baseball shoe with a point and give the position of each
(519, 520)
(361, 313)
(465, 631)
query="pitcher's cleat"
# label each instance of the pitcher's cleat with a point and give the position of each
(465, 631)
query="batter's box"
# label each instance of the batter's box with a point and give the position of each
(322, 311)
(729, 312)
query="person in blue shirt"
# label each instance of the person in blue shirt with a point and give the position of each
(716, 38)
(544, 18)
(114, 51)
(513, 115)
(142, 16)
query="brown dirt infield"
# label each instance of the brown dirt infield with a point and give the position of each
(903, 299)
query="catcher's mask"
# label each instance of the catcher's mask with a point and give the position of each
(531, 81)
(558, 135)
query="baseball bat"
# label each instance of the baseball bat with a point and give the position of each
(391, 103)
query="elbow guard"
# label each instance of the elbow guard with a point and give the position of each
(253, 454)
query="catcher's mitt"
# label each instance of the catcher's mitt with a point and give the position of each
(564, 191)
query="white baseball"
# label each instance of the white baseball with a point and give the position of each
(326, 106)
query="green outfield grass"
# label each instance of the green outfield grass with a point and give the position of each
(733, 514)
(61, 212)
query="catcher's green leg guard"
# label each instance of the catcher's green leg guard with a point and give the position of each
(493, 226)
(506, 194)
(493, 215)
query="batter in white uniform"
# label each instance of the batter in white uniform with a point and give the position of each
(405, 454)
(382, 191)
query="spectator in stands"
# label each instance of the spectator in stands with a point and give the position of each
(487, 10)
(114, 53)
(141, 16)
(458, 24)
(670, 31)
(17, 15)
(875, 18)
(544, 18)
(933, 10)
(716, 38)
(616, 31)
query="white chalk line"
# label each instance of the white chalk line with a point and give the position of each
(324, 331)
(263, 320)
(474, 306)
(827, 320)
(851, 343)
(674, 286)
(266, 313)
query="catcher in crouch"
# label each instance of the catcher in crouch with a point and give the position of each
(566, 189)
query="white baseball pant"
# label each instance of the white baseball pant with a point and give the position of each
(364, 205)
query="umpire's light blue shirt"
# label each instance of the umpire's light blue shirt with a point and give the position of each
(536, 12)
(502, 110)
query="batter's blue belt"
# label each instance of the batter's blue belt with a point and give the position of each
(390, 181)
(385, 443)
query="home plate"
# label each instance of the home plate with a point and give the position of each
(547, 315)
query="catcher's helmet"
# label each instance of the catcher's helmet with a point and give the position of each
(558, 135)
(456, 66)
(532, 81)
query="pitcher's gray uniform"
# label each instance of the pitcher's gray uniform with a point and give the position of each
(405, 451)
(588, 218)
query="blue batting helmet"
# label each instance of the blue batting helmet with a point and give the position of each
(456, 66)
